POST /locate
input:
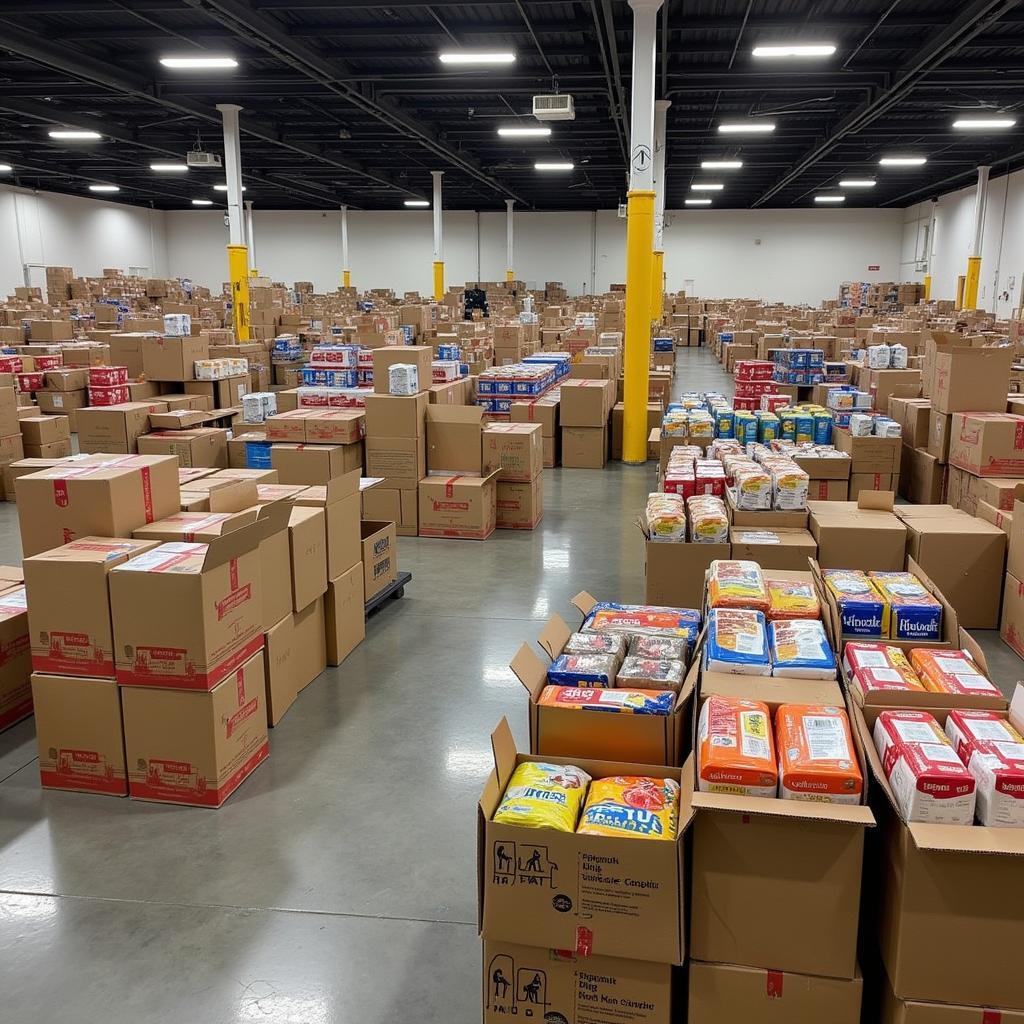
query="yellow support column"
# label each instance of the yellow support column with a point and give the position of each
(973, 280)
(960, 282)
(253, 272)
(346, 279)
(238, 272)
(510, 276)
(438, 280)
(927, 287)
(657, 286)
(637, 360)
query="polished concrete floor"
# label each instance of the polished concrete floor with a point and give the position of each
(339, 883)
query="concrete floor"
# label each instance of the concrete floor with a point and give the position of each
(339, 883)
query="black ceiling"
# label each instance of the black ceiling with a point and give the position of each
(311, 71)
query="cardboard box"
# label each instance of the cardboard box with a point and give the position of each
(66, 379)
(396, 415)
(872, 482)
(56, 450)
(655, 414)
(222, 394)
(280, 668)
(922, 477)
(674, 573)
(912, 1011)
(519, 506)
(126, 350)
(421, 356)
(454, 439)
(186, 616)
(307, 543)
(939, 431)
(79, 734)
(345, 614)
(552, 451)
(334, 426)
(50, 330)
(339, 498)
(204, 446)
(523, 982)
(115, 428)
(15, 658)
(586, 403)
(400, 461)
(314, 464)
(380, 556)
(987, 444)
(1011, 620)
(886, 384)
(173, 358)
(40, 430)
(63, 403)
(196, 747)
(828, 490)
(537, 410)
(589, 895)
(176, 400)
(727, 994)
(970, 379)
(773, 548)
(869, 454)
(458, 506)
(389, 504)
(310, 642)
(913, 416)
(584, 447)
(110, 498)
(516, 450)
(69, 602)
(991, 514)
(865, 536)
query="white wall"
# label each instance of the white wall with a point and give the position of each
(1002, 251)
(87, 234)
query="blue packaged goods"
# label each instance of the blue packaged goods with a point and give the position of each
(585, 670)
(822, 428)
(724, 423)
(725, 335)
(863, 611)
(663, 344)
(804, 425)
(787, 425)
(622, 702)
(257, 454)
(319, 376)
(651, 620)
(767, 427)
(408, 334)
(737, 642)
(448, 352)
(745, 427)
(799, 647)
(913, 613)
(495, 405)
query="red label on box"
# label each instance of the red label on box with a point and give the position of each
(773, 984)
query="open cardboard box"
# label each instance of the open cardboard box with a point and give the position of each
(948, 903)
(674, 571)
(591, 895)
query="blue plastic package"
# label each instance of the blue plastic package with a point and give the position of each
(737, 642)
(585, 671)
(799, 647)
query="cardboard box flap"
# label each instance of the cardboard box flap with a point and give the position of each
(642, 527)
(274, 515)
(231, 545)
(951, 623)
(1001, 842)
(366, 482)
(973, 648)
(840, 814)
(1017, 707)
(245, 517)
(876, 501)
(584, 603)
(503, 747)
(454, 414)
(554, 635)
(530, 671)
(232, 499)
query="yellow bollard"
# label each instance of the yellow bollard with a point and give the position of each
(438, 280)
(960, 288)
(510, 276)
(238, 272)
(973, 280)
(637, 360)
(927, 287)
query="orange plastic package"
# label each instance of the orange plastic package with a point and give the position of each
(817, 760)
(944, 671)
(736, 583)
(736, 749)
(791, 599)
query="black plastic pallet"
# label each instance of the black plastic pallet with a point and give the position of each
(392, 590)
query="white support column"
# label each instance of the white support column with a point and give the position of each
(250, 235)
(509, 250)
(929, 255)
(233, 171)
(974, 259)
(346, 276)
(660, 117)
(438, 240)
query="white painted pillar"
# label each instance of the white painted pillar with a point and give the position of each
(233, 171)
(509, 250)
(660, 117)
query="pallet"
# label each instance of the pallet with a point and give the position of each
(392, 590)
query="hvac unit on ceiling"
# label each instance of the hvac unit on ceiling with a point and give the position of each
(200, 158)
(554, 107)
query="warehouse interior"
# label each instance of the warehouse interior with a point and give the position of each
(445, 335)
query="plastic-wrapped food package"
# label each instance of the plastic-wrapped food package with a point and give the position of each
(737, 642)
(666, 517)
(993, 751)
(950, 672)
(737, 583)
(635, 806)
(701, 425)
(658, 647)
(879, 357)
(541, 795)
(799, 647)
(623, 702)
(817, 760)
(675, 424)
(753, 487)
(596, 643)
(790, 485)
(791, 599)
(651, 674)
(709, 522)
(863, 611)
(736, 748)
(879, 666)
(913, 613)
(652, 620)
(898, 356)
(587, 670)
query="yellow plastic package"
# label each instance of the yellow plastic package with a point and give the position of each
(631, 805)
(541, 795)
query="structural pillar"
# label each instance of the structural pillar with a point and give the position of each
(974, 260)
(509, 272)
(250, 236)
(658, 264)
(238, 256)
(639, 234)
(438, 242)
(930, 254)
(346, 276)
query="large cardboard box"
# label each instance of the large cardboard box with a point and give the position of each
(773, 548)
(872, 482)
(15, 657)
(63, 403)
(727, 994)
(203, 446)
(519, 506)
(586, 403)
(396, 415)
(421, 356)
(79, 734)
(913, 416)
(307, 543)
(939, 431)
(400, 461)
(922, 477)
(886, 384)
(869, 454)
(987, 444)
(345, 614)
(912, 1011)
(589, 895)
(865, 535)
(173, 358)
(314, 464)
(224, 393)
(390, 504)
(42, 430)
(516, 450)
(310, 642)
(655, 414)
(454, 436)
(458, 506)
(280, 668)
(970, 379)
(584, 447)
(69, 605)
(527, 983)
(1011, 620)
(196, 747)
(126, 350)
(188, 615)
(380, 556)
(537, 410)
(340, 500)
(108, 498)
(674, 573)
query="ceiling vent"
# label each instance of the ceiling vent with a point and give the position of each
(556, 107)
(200, 158)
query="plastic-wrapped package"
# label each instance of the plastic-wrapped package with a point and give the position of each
(635, 806)
(799, 647)
(675, 424)
(790, 485)
(596, 643)
(898, 356)
(753, 489)
(736, 748)
(658, 647)
(737, 583)
(861, 424)
(879, 357)
(709, 522)
(791, 599)
(586, 670)
(993, 752)
(879, 666)
(652, 620)
(944, 671)
(650, 674)
(817, 759)
(665, 516)
(913, 613)
(541, 795)
(737, 642)
(863, 611)
(623, 702)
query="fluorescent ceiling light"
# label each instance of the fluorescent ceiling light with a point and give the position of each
(740, 127)
(706, 186)
(795, 50)
(104, 188)
(524, 132)
(566, 166)
(830, 199)
(981, 123)
(168, 167)
(697, 202)
(721, 165)
(417, 202)
(469, 57)
(5, 168)
(198, 63)
(223, 188)
(903, 161)
(202, 202)
(72, 133)
(858, 183)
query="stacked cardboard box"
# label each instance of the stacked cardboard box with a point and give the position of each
(516, 451)
(543, 411)
(15, 658)
(584, 408)
(396, 452)
(874, 461)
